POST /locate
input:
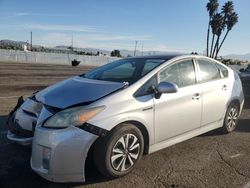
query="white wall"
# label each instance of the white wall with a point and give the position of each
(51, 58)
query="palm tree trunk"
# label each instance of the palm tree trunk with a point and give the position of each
(208, 33)
(216, 46)
(212, 45)
(222, 42)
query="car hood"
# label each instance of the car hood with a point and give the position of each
(75, 91)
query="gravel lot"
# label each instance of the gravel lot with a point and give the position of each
(210, 160)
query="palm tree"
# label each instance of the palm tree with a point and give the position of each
(217, 27)
(212, 8)
(227, 10)
(231, 21)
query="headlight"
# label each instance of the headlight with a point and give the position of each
(73, 116)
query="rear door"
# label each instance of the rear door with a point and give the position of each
(215, 91)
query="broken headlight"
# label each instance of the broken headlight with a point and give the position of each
(76, 116)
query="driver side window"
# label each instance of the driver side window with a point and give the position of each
(182, 73)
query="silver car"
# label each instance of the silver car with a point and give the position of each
(125, 109)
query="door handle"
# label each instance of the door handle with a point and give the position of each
(196, 96)
(224, 87)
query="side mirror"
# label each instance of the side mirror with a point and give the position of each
(167, 87)
(242, 70)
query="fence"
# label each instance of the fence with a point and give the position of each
(51, 58)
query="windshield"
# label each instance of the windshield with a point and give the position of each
(124, 70)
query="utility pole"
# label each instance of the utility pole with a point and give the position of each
(31, 41)
(142, 49)
(72, 43)
(135, 47)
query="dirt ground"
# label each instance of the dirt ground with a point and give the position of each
(209, 160)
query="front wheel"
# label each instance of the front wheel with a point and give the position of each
(117, 154)
(231, 118)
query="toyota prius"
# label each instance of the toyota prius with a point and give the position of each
(122, 110)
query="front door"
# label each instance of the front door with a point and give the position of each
(180, 112)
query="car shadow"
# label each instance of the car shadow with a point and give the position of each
(247, 103)
(242, 126)
(3, 119)
(215, 132)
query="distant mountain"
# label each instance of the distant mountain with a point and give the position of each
(16, 43)
(12, 43)
(243, 57)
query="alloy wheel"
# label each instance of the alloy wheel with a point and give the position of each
(232, 118)
(125, 152)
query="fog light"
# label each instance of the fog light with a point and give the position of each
(46, 157)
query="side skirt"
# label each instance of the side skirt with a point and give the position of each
(185, 136)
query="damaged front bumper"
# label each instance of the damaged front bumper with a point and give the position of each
(59, 155)
(18, 139)
(23, 120)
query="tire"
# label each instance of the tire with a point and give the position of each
(110, 157)
(231, 118)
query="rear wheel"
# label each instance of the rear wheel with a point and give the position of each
(231, 118)
(118, 153)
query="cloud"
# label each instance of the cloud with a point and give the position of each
(107, 42)
(76, 28)
(87, 36)
(19, 14)
(81, 39)
(116, 37)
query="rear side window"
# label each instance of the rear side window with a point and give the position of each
(181, 73)
(208, 71)
(223, 70)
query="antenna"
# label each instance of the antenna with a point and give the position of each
(135, 47)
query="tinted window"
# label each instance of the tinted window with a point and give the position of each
(150, 65)
(182, 74)
(223, 69)
(124, 70)
(208, 71)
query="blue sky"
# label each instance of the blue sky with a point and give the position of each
(165, 25)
